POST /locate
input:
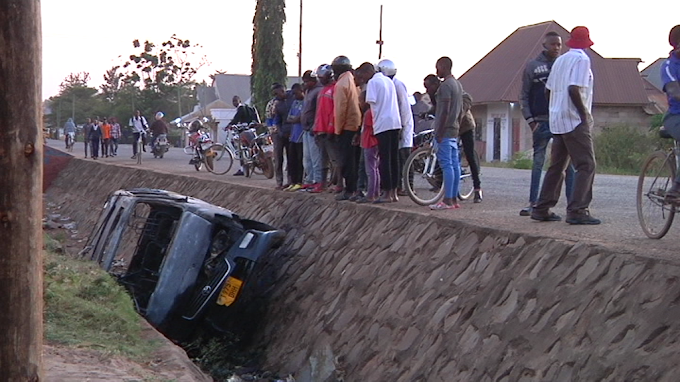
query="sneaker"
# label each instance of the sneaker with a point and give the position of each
(526, 211)
(401, 192)
(317, 189)
(342, 196)
(545, 217)
(135, 157)
(307, 186)
(193, 161)
(444, 206)
(584, 219)
(238, 173)
(294, 187)
(478, 196)
(335, 189)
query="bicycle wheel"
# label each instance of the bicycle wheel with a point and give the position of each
(218, 159)
(466, 186)
(140, 146)
(654, 213)
(424, 185)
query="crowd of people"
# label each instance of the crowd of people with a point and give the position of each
(100, 135)
(350, 130)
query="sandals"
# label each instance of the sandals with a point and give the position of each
(444, 206)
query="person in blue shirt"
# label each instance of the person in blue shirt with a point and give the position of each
(670, 74)
(295, 149)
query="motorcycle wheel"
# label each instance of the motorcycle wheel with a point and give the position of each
(268, 167)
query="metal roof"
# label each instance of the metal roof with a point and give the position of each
(497, 77)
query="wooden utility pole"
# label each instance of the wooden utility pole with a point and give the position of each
(380, 41)
(300, 45)
(21, 156)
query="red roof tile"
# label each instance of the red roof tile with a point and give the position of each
(497, 77)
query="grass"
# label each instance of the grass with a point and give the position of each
(85, 307)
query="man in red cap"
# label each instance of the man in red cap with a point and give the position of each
(570, 93)
(670, 75)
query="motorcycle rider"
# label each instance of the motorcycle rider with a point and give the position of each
(69, 129)
(158, 127)
(244, 114)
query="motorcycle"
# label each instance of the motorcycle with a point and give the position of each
(160, 146)
(256, 151)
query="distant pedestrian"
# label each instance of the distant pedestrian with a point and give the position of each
(87, 129)
(95, 137)
(535, 110)
(570, 87)
(106, 137)
(115, 136)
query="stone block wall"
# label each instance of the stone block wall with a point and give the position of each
(367, 293)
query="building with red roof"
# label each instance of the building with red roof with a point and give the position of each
(620, 95)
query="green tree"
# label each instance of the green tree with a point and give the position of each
(75, 100)
(164, 75)
(267, 50)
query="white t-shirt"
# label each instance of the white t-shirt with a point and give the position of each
(138, 123)
(405, 114)
(571, 68)
(381, 94)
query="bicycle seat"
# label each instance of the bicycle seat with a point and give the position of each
(663, 133)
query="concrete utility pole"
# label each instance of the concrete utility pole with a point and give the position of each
(21, 156)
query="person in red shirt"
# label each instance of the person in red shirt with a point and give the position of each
(324, 124)
(371, 158)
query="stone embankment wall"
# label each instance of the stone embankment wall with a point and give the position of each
(366, 293)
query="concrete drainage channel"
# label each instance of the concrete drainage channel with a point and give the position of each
(370, 294)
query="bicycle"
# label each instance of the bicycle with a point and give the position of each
(215, 156)
(140, 147)
(655, 211)
(425, 177)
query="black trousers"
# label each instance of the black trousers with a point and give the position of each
(349, 160)
(134, 142)
(468, 140)
(95, 147)
(388, 149)
(294, 157)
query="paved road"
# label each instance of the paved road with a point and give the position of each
(506, 191)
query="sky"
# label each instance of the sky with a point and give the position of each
(93, 36)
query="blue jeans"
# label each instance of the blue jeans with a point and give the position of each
(447, 154)
(311, 159)
(542, 136)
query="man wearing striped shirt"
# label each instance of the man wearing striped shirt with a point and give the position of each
(570, 93)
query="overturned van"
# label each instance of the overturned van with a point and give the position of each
(184, 261)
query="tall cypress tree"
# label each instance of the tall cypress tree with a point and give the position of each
(267, 50)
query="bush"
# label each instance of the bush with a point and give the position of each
(522, 160)
(622, 149)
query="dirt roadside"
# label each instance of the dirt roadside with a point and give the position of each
(63, 363)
